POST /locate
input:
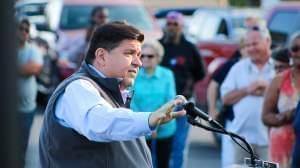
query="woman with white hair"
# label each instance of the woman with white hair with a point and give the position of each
(154, 86)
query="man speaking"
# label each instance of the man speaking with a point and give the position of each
(85, 125)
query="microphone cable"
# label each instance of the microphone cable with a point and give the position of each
(220, 129)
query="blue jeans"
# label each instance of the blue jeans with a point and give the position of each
(179, 150)
(25, 120)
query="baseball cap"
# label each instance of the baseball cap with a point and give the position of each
(174, 16)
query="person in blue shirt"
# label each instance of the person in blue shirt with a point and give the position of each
(154, 86)
(30, 62)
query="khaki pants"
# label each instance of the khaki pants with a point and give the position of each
(240, 154)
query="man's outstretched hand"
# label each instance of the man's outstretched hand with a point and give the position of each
(165, 113)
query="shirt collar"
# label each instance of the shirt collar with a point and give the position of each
(101, 74)
(267, 67)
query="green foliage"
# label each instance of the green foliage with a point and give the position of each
(244, 3)
(239, 3)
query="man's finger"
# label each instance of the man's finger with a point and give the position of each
(178, 114)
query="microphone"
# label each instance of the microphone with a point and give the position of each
(195, 112)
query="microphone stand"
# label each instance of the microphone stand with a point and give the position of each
(253, 161)
(194, 122)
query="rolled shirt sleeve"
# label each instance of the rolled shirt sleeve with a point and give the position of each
(82, 108)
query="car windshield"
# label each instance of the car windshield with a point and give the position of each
(281, 19)
(206, 26)
(33, 9)
(76, 17)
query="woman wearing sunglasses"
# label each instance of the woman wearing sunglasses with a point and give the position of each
(279, 107)
(154, 86)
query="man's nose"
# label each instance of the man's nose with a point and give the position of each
(137, 61)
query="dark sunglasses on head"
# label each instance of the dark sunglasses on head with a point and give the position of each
(150, 56)
(295, 48)
(254, 28)
(26, 29)
(172, 24)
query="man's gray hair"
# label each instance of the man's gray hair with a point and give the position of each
(293, 37)
(156, 46)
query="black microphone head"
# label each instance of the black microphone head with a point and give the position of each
(189, 108)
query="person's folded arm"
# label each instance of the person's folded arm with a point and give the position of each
(270, 116)
(234, 96)
(230, 93)
(35, 64)
(30, 69)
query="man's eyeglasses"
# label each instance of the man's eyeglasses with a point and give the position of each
(25, 29)
(150, 56)
(295, 48)
(172, 24)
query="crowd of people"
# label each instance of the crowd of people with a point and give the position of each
(118, 108)
(259, 95)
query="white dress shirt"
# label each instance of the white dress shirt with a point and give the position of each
(247, 120)
(82, 108)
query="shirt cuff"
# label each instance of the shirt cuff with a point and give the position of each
(142, 119)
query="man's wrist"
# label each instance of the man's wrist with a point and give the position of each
(151, 123)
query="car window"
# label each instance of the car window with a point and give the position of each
(223, 29)
(210, 27)
(281, 19)
(76, 17)
(238, 22)
(196, 22)
(34, 9)
(207, 26)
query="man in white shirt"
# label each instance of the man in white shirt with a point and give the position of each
(85, 125)
(244, 88)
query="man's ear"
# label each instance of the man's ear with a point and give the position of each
(100, 56)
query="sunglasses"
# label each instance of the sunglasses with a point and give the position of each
(25, 29)
(101, 16)
(295, 48)
(172, 24)
(254, 28)
(150, 56)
